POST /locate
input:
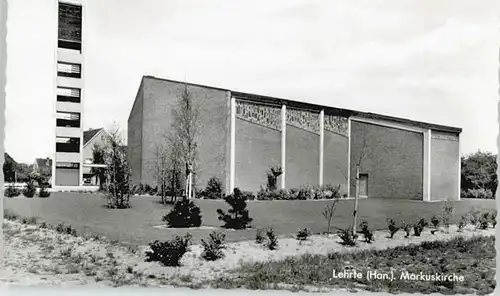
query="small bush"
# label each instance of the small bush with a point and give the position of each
(347, 237)
(212, 248)
(303, 234)
(213, 189)
(237, 217)
(30, 189)
(475, 217)
(12, 191)
(185, 214)
(493, 218)
(259, 236)
(484, 221)
(366, 232)
(169, 253)
(305, 192)
(419, 227)
(463, 222)
(406, 227)
(447, 214)
(272, 240)
(392, 227)
(272, 177)
(44, 193)
(247, 195)
(478, 193)
(44, 225)
(435, 221)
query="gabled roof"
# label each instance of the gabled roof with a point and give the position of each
(44, 163)
(8, 158)
(90, 134)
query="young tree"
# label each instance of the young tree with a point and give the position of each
(161, 171)
(185, 127)
(117, 171)
(362, 155)
(98, 158)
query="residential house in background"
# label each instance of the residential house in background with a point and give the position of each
(243, 135)
(91, 138)
(44, 167)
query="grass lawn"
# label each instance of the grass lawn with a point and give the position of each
(86, 213)
(473, 258)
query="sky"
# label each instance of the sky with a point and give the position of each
(433, 61)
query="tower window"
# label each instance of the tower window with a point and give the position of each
(69, 70)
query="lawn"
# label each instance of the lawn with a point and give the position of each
(86, 213)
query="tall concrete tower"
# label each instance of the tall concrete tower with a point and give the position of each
(67, 169)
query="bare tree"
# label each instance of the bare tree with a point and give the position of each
(117, 171)
(358, 164)
(185, 127)
(161, 171)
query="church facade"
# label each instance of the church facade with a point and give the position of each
(243, 135)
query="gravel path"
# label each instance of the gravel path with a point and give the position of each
(35, 256)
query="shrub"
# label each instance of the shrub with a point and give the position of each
(303, 234)
(272, 177)
(184, 214)
(30, 189)
(347, 237)
(305, 192)
(212, 248)
(463, 222)
(237, 217)
(259, 236)
(475, 216)
(12, 191)
(392, 227)
(435, 221)
(277, 194)
(213, 189)
(248, 195)
(447, 214)
(419, 227)
(406, 227)
(484, 220)
(478, 193)
(44, 192)
(366, 232)
(169, 253)
(493, 217)
(272, 240)
(326, 192)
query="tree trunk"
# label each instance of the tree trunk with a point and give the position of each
(355, 213)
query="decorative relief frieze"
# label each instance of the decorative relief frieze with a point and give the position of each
(268, 116)
(303, 119)
(337, 124)
(446, 137)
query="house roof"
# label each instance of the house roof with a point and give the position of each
(330, 109)
(8, 158)
(43, 163)
(90, 134)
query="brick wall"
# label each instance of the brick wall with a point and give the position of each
(257, 149)
(444, 166)
(160, 98)
(134, 138)
(394, 161)
(335, 160)
(302, 157)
